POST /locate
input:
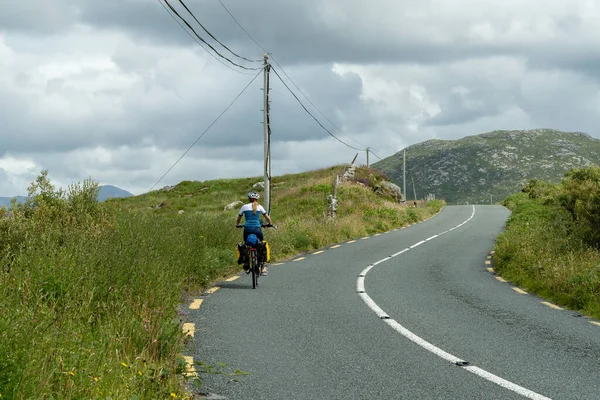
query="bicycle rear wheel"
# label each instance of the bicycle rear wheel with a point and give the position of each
(255, 271)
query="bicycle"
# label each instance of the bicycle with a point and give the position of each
(255, 265)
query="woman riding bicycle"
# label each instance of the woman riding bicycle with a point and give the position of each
(251, 213)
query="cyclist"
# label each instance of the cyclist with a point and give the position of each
(251, 212)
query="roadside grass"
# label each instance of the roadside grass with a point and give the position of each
(549, 250)
(91, 291)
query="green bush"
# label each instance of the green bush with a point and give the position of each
(551, 239)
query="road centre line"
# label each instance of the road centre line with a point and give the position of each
(360, 287)
(417, 244)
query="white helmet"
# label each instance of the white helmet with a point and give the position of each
(253, 195)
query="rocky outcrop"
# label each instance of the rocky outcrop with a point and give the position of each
(232, 206)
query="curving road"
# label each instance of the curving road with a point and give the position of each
(307, 332)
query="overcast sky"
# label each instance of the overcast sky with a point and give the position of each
(117, 91)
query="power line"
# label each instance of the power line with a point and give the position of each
(212, 36)
(313, 104)
(204, 41)
(240, 25)
(372, 152)
(199, 42)
(291, 80)
(206, 130)
(308, 112)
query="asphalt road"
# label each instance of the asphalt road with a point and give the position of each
(306, 332)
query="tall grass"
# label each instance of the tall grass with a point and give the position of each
(90, 291)
(550, 246)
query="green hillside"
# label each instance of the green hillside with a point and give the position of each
(90, 291)
(490, 166)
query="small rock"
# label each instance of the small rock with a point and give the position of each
(168, 188)
(180, 212)
(233, 205)
(258, 185)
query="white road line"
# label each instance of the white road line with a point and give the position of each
(433, 237)
(417, 244)
(360, 287)
(400, 252)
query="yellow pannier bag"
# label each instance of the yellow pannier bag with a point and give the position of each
(268, 249)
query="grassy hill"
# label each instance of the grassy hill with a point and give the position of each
(490, 166)
(91, 290)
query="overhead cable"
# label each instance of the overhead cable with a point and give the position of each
(206, 130)
(199, 42)
(212, 36)
(313, 104)
(205, 42)
(313, 117)
(240, 25)
(372, 152)
(290, 79)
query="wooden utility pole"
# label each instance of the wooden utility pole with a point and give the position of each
(267, 191)
(404, 175)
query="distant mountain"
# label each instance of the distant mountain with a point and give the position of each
(492, 165)
(108, 192)
(105, 192)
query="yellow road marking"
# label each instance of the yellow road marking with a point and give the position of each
(519, 290)
(595, 322)
(319, 252)
(336, 246)
(352, 241)
(500, 279)
(493, 252)
(189, 329)
(551, 305)
(212, 290)
(377, 234)
(489, 257)
(278, 264)
(233, 278)
(299, 259)
(190, 370)
(490, 270)
(365, 238)
(487, 262)
(196, 304)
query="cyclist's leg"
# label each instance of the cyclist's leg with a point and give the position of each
(247, 233)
